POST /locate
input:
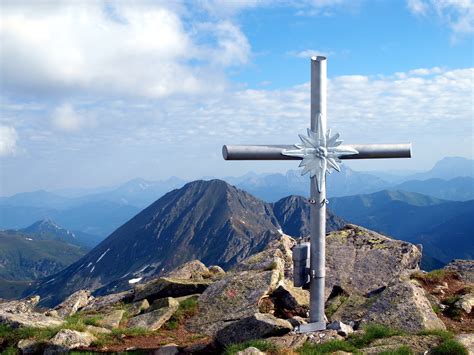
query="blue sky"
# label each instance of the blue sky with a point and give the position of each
(96, 93)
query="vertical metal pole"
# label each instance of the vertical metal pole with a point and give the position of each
(318, 208)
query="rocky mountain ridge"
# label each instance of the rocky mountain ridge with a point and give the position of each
(207, 220)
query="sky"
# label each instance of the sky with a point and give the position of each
(95, 93)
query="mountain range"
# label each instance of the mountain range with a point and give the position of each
(207, 220)
(99, 211)
(443, 227)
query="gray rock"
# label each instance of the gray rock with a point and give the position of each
(403, 306)
(168, 287)
(30, 346)
(361, 261)
(20, 306)
(192, 270)
(67, 339)
(295, 340)
(31, 319)
(466, 339)
(138, 307)
(465, 302)
(288, 298)
(168, 349)
(353, 308)
(112, 319)
(464, 268)
(341, 328)
(216, 271)
(250, 351)
(108, 301)
(271, 259)
(73, 303)
(163, 302)
(257, 326)
(234, 297)
(155, 319)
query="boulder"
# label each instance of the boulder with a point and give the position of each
(270, 259)
(257, 326)
(20, 306)
(464, 268)
(138, 307)
(73, 303)
(155, 319)
(289, 300)
(30, 346)
(285, 244)
(168, 349)
(108, 301)
(360, 261)
(465, 302)
(341, 328)
(163, 302)
(234, 297)
(403, 306)
(216, 272)
(67, 339)
(168, 287)
(29, 319)
(192, 270)
(250, 351)
(112, 319)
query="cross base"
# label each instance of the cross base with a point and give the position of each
(311, 327)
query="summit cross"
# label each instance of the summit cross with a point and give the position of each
(319, 151)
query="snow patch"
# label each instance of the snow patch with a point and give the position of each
(93, 268)
(89, 265)
(280, 231)
(28, 239)
(103, 254)
(134, 281)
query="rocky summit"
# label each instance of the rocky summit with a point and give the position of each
(211, 221)
(377, 300)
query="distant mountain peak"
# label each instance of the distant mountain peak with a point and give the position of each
(47, 229)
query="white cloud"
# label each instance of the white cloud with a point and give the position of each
(124, 50)
(8, 140)
(308, 53)
(65, 118)
(425, 71)
(457, 14)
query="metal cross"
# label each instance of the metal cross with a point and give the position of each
(319, 151)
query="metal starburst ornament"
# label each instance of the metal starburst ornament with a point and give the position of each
(320, 153)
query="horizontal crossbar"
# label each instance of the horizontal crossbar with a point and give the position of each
(274, 152)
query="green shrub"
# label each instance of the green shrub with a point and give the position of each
(443, 334)
(371, 333)
(449, 347)
(259, 344)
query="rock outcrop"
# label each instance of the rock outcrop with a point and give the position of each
(403, 306)
(73, 303)
(256, 326)
(361, 261)
(154, 319)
